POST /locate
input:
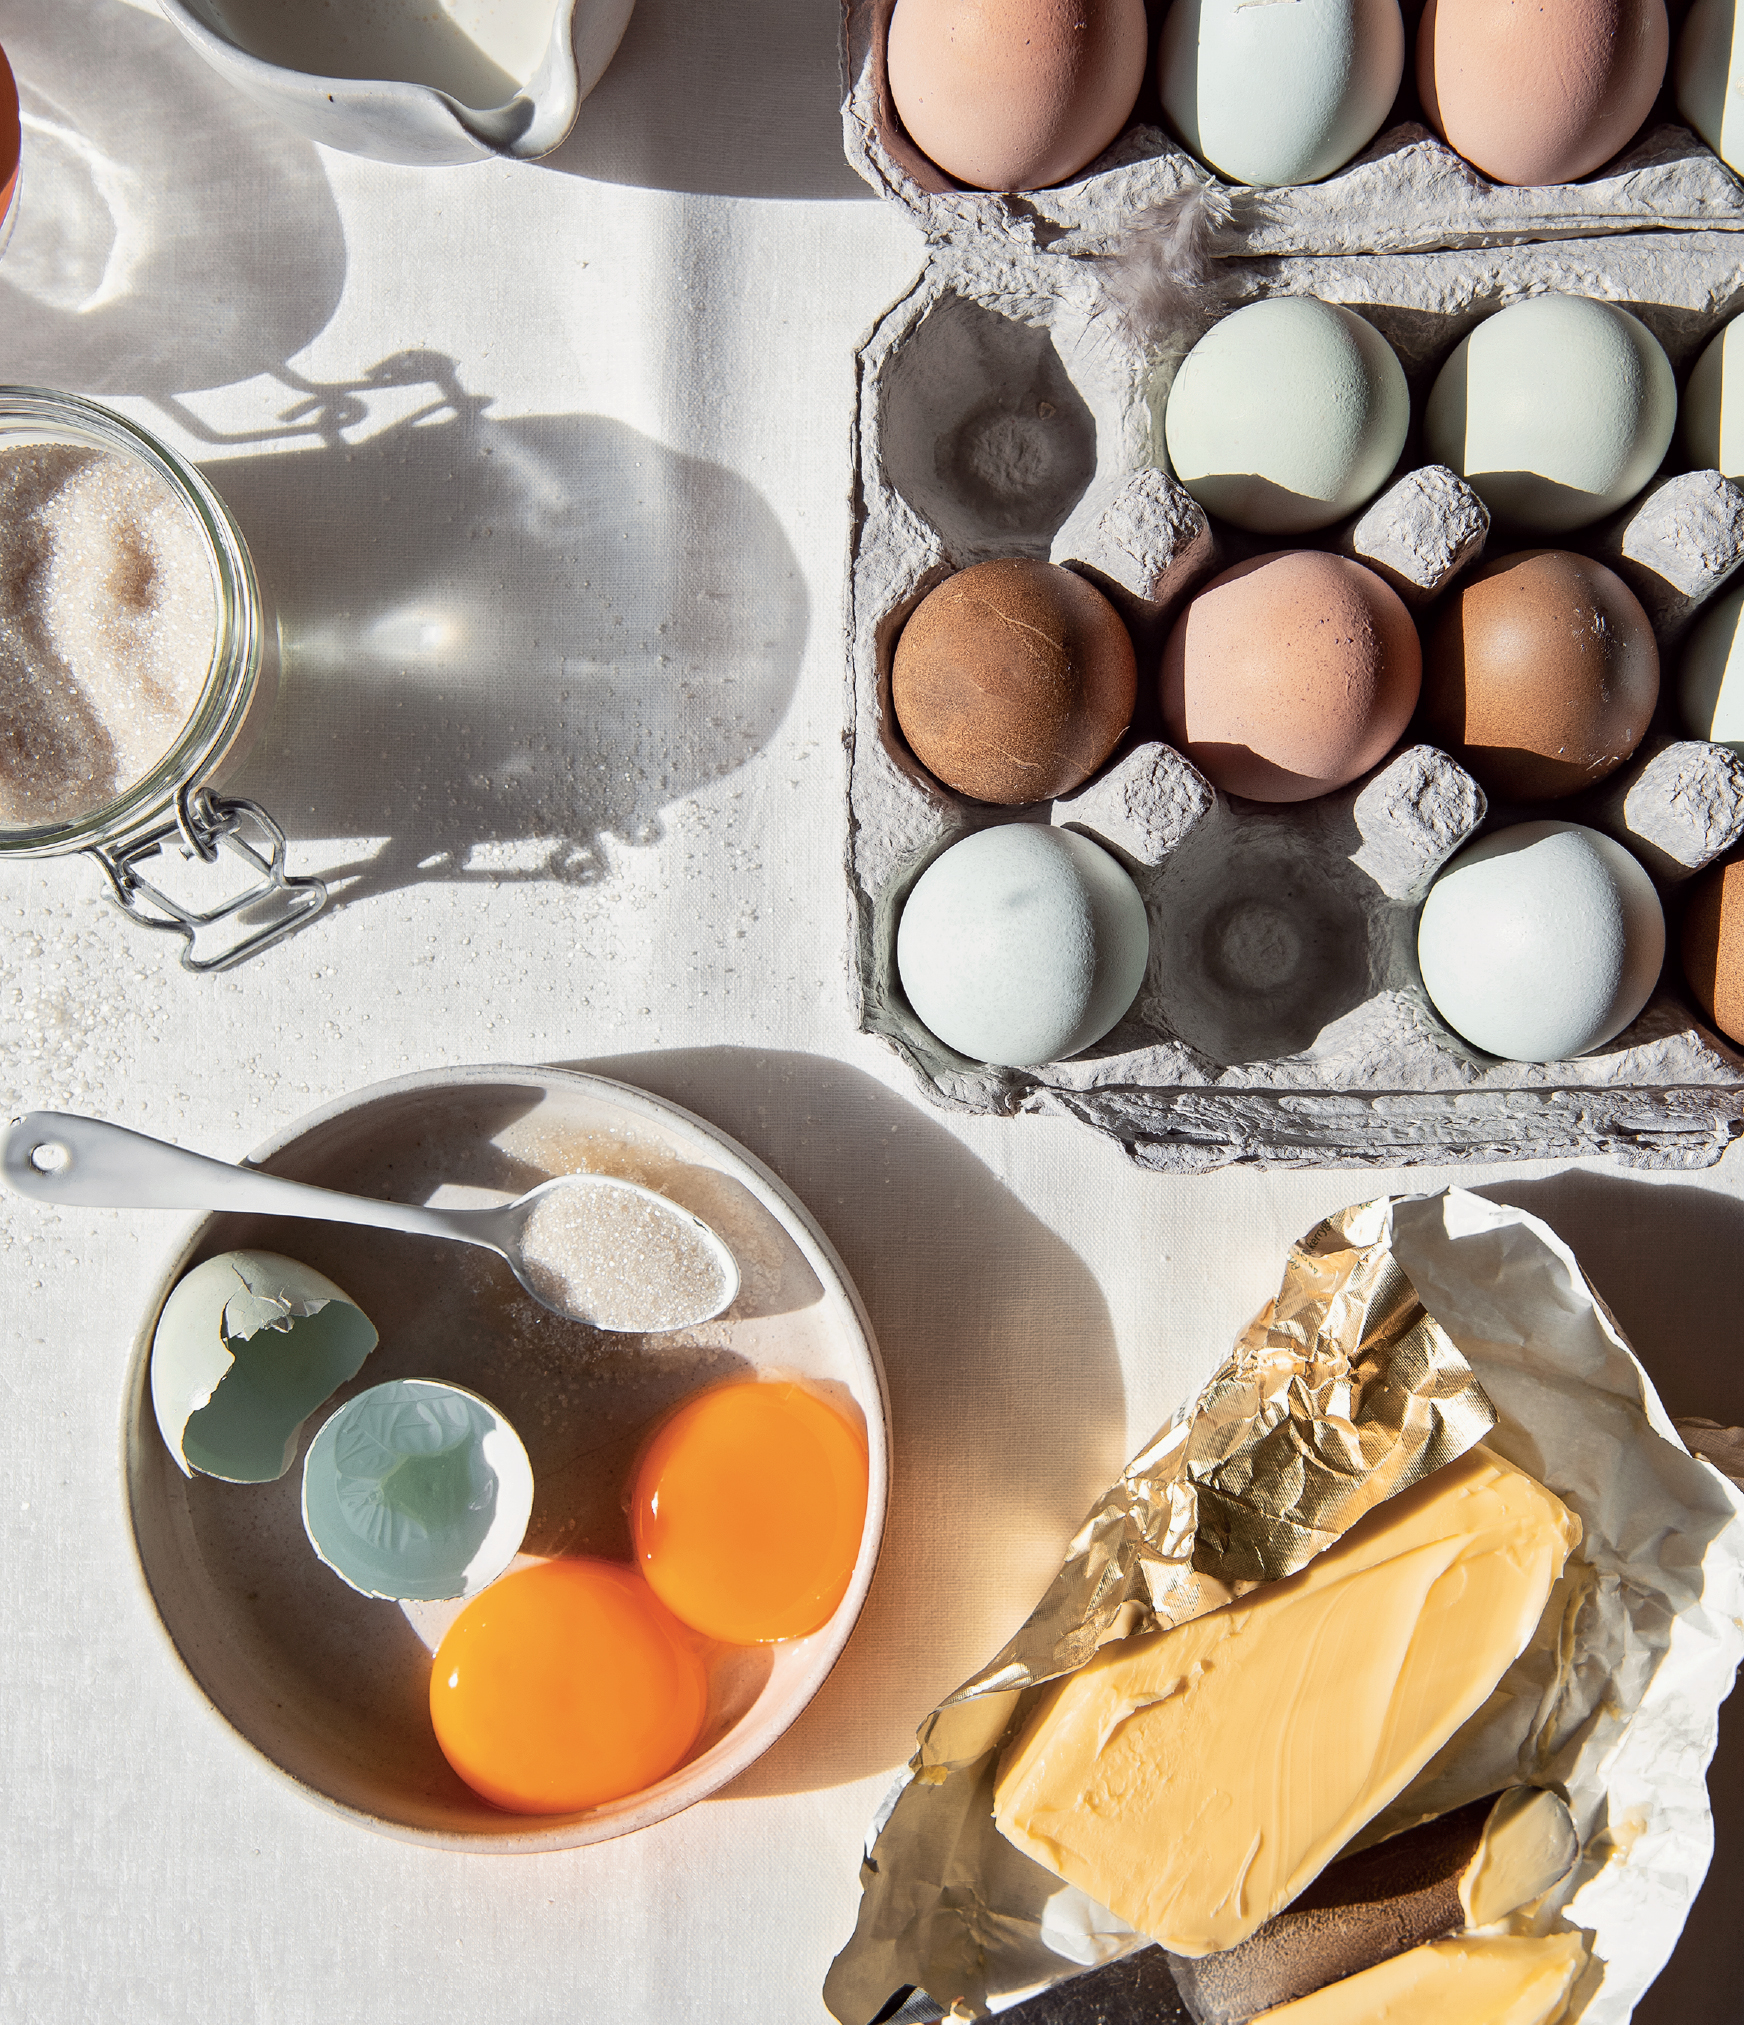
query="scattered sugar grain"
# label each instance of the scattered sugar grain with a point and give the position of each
(108, 616)
(614, 1258)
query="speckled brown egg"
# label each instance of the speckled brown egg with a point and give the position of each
(1289, 675)
(1015, 94)
(1013, 681)
(1713, 946)
(1540, 675)
(1540, 91)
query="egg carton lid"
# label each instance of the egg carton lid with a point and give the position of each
(1407, 192)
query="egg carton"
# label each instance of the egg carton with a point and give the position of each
(1406, 192)
(1011, 404)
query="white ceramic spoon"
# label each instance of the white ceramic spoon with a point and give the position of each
(587, 1246)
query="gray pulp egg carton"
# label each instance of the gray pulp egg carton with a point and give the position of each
(1011, 404)
(1407, 192)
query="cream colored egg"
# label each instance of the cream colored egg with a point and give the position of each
(1015, 94)
(1279, 94)
(1707, 75)
(1556, 411)
(1287, 415)
(1710, 683)
(247, 1346)
(1712, 412)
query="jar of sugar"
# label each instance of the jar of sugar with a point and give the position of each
(134, 672)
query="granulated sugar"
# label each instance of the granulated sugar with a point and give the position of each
(107, 620)
(612, 1257)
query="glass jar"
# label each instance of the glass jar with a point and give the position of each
(174, 804)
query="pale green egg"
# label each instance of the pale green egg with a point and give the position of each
(1556, 411)
(1288, 415)
(1710, 679)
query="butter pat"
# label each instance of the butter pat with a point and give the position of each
(1196, 1780)
(1467, 1981)
(1529, 1844)
(1464, 1869)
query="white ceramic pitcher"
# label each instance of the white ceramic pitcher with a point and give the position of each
(458, 82)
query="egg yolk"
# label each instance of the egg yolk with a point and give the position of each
(563, 1686)
(747, 1511)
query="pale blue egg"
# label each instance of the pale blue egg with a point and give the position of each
(1022, 944)
(1279, 94)
(1541, 942)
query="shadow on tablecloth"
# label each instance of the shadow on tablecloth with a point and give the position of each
(504, 642)
(169, 236)
(727, 101)
(1007, 1403)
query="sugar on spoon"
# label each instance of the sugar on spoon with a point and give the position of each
(587, 1246)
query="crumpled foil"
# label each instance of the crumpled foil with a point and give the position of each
(1340, 1393)
(1347, 1388)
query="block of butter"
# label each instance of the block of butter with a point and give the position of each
(1470, 1980)
(1196, 1780)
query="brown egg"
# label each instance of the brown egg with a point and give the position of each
(1713, 946)
(1013, 681)
(1539, 91)
(1289, 675)
(1540, 675)
(1015, 94)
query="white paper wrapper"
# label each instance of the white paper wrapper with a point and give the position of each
(1615, 1703)
(1655, 1643)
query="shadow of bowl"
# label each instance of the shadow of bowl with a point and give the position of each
(1008, 1411)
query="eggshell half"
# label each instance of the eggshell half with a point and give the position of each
(1013, 681)
(247, 1346)
(1541, 942)
(1279, 94)
(1289, 675)
(416, 1491)
(1022, 944)
(1540, 675)
(1540, 94)
(1556, 411)
(1287, 415)
(1710, 685)
(1713, 947)
(1015, 94)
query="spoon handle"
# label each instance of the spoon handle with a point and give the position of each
(56, 1157)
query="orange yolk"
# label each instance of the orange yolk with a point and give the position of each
(748, 1509)
(563, 1686)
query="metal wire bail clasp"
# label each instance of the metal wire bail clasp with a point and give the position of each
(204, 824)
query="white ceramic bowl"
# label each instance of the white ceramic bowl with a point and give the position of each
(333, 1688)
(427, 122)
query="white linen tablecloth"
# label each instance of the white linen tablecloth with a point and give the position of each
(547, 468)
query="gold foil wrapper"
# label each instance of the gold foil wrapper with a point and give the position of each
(1341, 1392)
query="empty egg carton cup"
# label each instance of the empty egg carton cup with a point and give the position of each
(1011, 404)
